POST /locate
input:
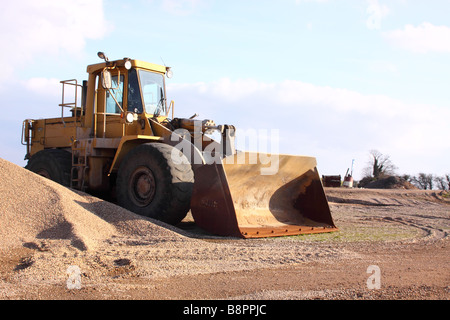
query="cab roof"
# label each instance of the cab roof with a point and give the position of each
(94, 68)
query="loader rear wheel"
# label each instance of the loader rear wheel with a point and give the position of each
(54, 164)
(149, 183)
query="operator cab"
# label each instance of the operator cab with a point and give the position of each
(132, 86)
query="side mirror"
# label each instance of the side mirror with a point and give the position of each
(106, 79)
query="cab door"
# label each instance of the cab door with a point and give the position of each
(110, 107)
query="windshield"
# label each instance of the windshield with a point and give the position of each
(152, 85)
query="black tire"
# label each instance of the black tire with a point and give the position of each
(54, 164)
(149, 183)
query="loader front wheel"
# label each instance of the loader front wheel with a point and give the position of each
(151, 184)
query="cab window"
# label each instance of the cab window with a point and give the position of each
(134, 93)
(152, 85)
(117, 92)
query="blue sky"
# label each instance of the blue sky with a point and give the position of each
(333, 78)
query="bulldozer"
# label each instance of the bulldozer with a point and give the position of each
(117, 138)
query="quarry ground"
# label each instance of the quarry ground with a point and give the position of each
(65, 245)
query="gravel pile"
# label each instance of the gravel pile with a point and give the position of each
(34, 208)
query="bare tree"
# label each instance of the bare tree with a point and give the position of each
(379, 165)
(407, 177)
(440, 182)
(424, 181)
(443, 183)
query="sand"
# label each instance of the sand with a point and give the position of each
(34, 208)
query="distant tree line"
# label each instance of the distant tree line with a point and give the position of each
(429, 181)
(380, 167)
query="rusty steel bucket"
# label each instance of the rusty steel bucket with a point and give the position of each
(241, 196)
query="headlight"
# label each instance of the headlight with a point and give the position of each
(128, 64)
(169, 73)
(130, 117)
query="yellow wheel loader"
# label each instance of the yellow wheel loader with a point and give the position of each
(119, 140)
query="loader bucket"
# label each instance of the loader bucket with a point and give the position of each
(232, 198)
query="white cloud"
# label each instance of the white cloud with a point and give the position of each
(31, 30)
(421, 39)
(382, 66)
(32, 27)
(376, 13)
(335, 125)
(44, 86)
(181, 7)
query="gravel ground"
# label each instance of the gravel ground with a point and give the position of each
(60, 244)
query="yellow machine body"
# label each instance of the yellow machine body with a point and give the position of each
(230, 196)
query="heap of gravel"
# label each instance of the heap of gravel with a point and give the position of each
(34, 208)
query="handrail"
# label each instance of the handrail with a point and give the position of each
(71, 82)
